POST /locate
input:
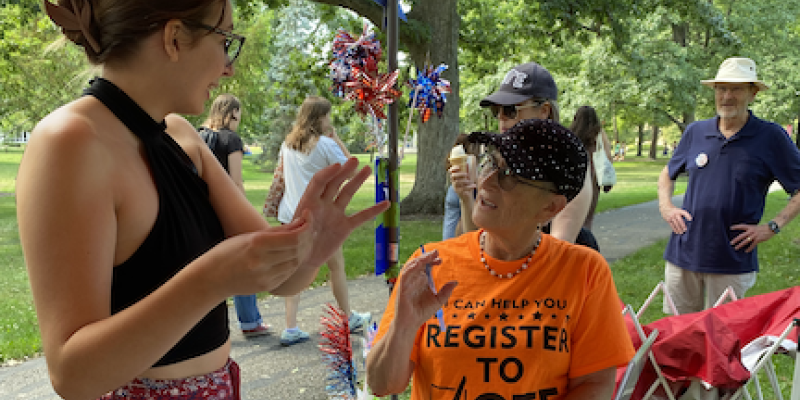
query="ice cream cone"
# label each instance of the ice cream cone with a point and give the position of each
(459, 160)
(458, 156)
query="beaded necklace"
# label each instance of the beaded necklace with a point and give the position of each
(509, 275)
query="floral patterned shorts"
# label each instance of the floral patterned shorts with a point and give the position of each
(222, 384)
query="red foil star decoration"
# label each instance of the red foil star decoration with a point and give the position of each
(372, 92)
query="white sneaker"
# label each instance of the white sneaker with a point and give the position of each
(290, 338)
(359, 320)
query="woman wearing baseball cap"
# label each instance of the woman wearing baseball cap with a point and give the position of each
(528, 91)
(525, 315)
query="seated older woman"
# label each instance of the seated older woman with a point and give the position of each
(526, 316)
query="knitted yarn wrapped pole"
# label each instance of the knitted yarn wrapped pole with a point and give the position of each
(387, 225)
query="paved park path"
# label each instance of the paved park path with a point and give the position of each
(272, 372)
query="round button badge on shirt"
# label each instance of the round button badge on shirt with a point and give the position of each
(701, 160)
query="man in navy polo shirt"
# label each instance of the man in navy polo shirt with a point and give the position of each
(731, 160)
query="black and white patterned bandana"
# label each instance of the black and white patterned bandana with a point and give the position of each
(541, 150)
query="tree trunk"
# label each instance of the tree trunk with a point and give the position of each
(431, 35)
(616, 131)
(688, 118)
(640, 141)
(436, 137)
(654, 143)
(679, 33)
(797, 128)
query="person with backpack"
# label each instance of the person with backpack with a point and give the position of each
(219, 133)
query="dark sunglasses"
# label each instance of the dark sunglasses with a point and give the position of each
(233, 42)
(506, 179)
(510, 111)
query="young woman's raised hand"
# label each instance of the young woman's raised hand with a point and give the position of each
(323, 205)
(260, 261)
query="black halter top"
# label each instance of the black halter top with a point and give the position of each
(186, 225)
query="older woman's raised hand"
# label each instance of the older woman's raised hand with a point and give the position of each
(323, 204)
(415, 301)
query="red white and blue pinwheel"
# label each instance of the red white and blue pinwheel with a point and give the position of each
(429, 91)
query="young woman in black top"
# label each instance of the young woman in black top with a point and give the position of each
(133, 237)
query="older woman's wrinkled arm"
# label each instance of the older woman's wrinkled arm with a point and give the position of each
(595, 386)
(389, 368)
(389, 365)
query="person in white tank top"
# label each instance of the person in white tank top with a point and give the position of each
(311, 146)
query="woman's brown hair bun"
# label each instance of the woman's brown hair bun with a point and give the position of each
(111, 30)
(75, 19)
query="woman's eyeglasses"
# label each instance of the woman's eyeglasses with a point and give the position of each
(233, 42)
(505, 178)
(510, 111)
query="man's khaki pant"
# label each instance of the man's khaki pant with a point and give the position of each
(697, 291)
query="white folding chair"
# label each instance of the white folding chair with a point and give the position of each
(796, 380)
(729, 294)
(765, 364)
(660, 379)
(660, 287)
(634, 369)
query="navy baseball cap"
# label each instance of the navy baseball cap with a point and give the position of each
(523, 82)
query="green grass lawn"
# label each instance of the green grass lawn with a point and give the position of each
(635, 275)
(637, 182)
(19, 333)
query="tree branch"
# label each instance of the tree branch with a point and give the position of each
(676, 121)
(594, 29)
(411, 33)
(681, 125)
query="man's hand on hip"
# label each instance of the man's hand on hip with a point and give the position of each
(676, 218)
(751, 236)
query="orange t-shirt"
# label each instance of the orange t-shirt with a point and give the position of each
(518, 338)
